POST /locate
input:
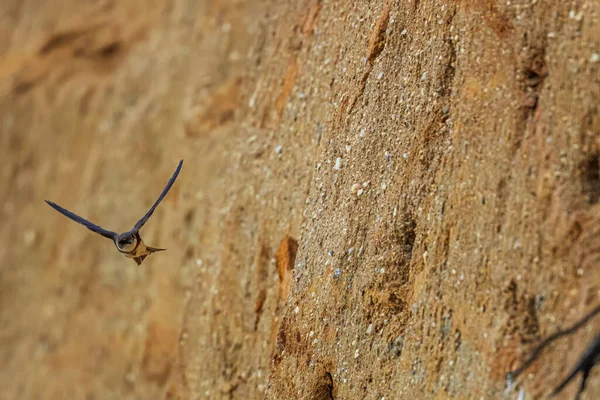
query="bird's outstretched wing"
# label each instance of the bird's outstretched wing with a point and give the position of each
(82, 221)
(590, 357)
(145, 218)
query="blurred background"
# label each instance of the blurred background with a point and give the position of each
(99, 100)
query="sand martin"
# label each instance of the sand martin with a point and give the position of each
(128, 243)
(590, 357)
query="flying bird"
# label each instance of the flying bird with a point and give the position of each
(587, 361)
(590, 357)
(128, 243)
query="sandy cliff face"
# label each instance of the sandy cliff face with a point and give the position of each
(391, 199)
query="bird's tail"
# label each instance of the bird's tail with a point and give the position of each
(154, 249)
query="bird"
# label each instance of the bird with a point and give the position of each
(129, 243)
(587, 361)
(590, 357)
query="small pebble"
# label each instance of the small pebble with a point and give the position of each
(338, 164)
(29, 237)
(594, 58)
(278, 149)
(576, 16)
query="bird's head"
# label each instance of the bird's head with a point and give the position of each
(126, 241)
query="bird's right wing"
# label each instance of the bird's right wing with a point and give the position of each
(82, 221)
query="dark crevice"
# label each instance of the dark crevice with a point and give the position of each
(590, 178)
(324, 389)
(531, 73)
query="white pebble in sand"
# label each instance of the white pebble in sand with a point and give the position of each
(338, 164)
(29, 237)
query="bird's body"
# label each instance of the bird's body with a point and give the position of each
(136, 249)
(129, 243)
